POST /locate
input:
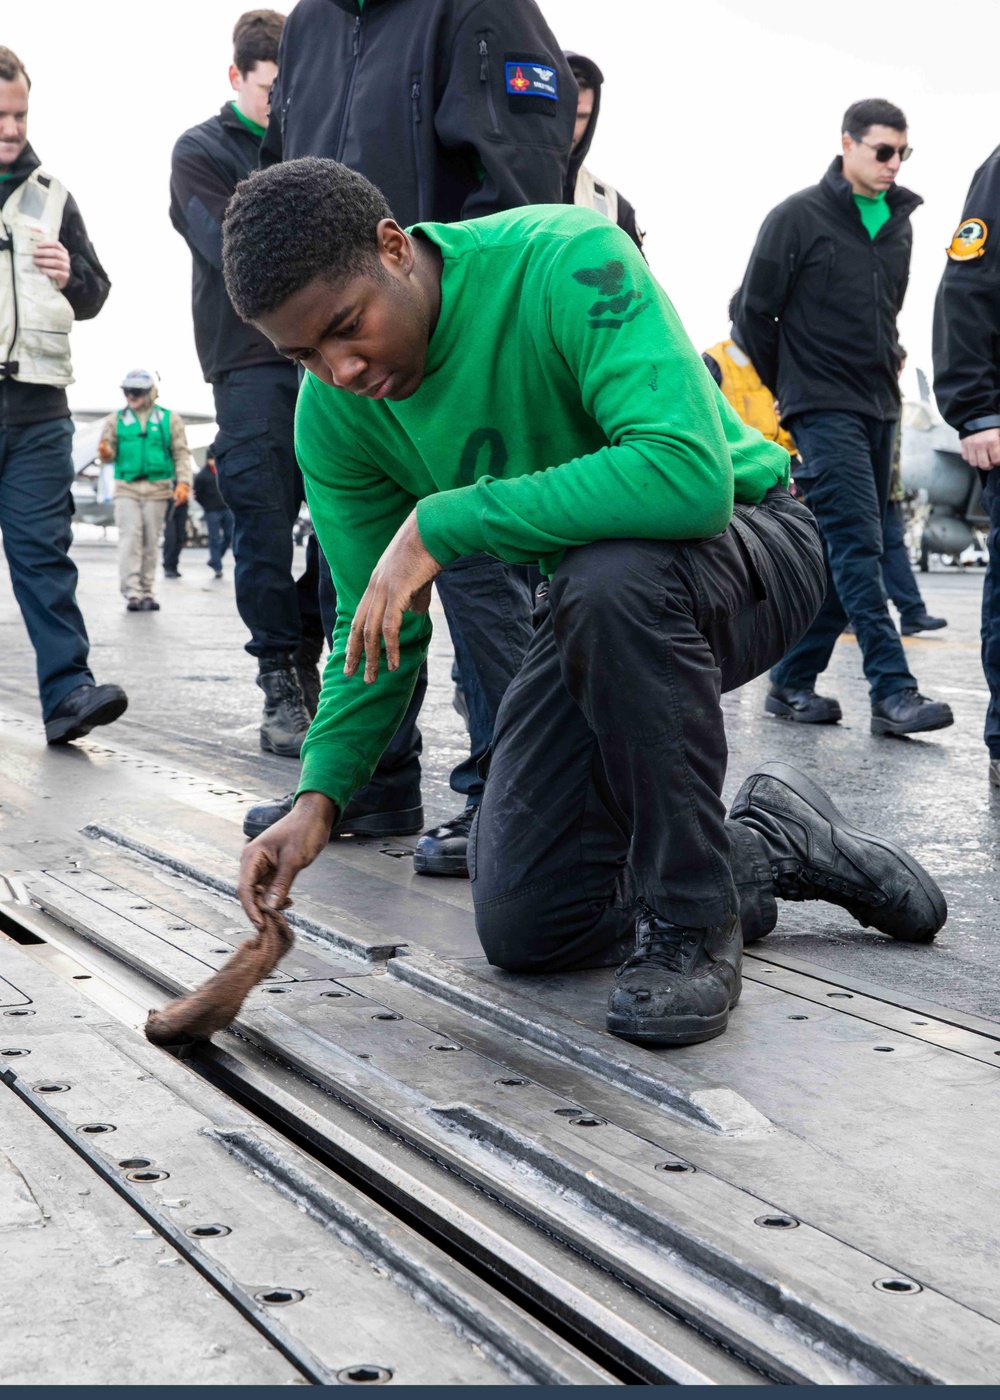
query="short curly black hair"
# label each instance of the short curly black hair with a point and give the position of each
(294, 222)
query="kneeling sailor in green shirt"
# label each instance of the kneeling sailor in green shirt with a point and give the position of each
(521, 384)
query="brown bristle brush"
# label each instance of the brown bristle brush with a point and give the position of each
(216, 1003)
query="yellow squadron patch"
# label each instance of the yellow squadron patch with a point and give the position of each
(969, 241)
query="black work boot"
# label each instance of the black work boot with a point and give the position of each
(358, 820)
(306, 660)
(802, 704)
(815, 853)
(910, 626)
(444, 850)
(286, 720)
(994, 771)
(679, 985)
(909, 712)
(82, 710)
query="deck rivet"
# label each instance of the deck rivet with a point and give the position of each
(49, 1086)
(147, 1174)
(588, 1120)
(510, 1081)
(897, 1285)
(335, 994)
(11, 1053)
(777, 1221)
(364, 1375)
(202, 1232)
(674, 1167)
(19, 1011)
(386, 1016)
(798, 1018)
(127, 1163)
(278, 1297)
(96, 1128)
(843, 996)
(567, 1112)
(886, 1049)
(446, 1047)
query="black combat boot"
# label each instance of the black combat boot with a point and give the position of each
(802, 704)
(306, 660)
(994, 771)
(679, 985)
(909, 712)
(814, 853)
(286, 719)
(358, 820)
(444, 850)
(923, 622)
(82, 710)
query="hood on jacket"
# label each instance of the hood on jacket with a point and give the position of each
(577, 157)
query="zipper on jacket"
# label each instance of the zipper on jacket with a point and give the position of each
(418, 157)
(355, 55)
(484, 77)
(9, 239)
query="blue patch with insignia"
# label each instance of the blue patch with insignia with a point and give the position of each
(527, 79)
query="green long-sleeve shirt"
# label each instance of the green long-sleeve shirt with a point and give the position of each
(562, 403)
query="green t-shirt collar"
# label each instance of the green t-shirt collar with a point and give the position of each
(255, 127)
(874, 211)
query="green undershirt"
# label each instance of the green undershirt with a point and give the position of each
(257, 130)
(875, 213)
(562, 403)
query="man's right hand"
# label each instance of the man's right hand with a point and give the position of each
(982, 450)
(272, 860)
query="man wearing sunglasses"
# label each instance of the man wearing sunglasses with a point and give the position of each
(817, 316)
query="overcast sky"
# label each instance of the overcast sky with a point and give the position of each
(712, 113)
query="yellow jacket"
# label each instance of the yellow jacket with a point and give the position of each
(752, 399)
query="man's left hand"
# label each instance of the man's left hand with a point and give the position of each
(53, 259)
(401, 582)
(982, 449)
(181, 493)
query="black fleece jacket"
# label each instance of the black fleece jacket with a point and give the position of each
(86, 291)
(208, 163)
(454, 108)
(967, 314)
(818, 306)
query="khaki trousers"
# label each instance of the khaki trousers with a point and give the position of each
(140, 510)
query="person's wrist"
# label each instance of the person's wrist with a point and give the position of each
(316, 804)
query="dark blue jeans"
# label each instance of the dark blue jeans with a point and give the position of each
(219, 524)
(262, 485)
(36, 510)
(487, 605)
(897, 571)
(991, 613)
(844, 479)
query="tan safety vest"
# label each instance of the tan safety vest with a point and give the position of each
(752, 400)
(595, 194)
(35, 317)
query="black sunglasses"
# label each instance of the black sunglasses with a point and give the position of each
(135, 393)
(883, 151)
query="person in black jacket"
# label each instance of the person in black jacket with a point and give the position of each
(581, 186)
(50, 276)
(218, 517)
(454, 109)
(255, 391)
(817, 316)
(967, 389)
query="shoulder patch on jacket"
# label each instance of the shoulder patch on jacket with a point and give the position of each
(525, 78)
(969, 241)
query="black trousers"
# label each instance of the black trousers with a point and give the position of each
(261, 484)
(610, 748)
(174, 534)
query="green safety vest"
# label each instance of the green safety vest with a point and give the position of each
(144, 453)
